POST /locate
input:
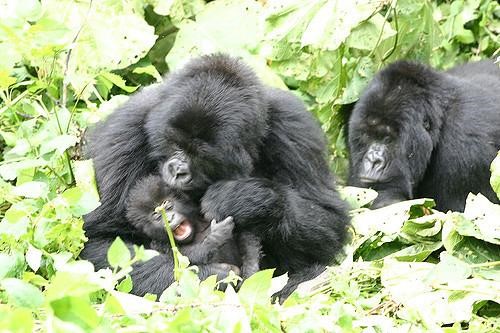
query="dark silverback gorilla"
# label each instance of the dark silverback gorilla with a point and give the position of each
(239, 149)
(416, 132)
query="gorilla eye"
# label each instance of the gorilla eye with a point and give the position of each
(167, 205)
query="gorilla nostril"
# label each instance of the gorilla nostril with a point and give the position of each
(176, 168)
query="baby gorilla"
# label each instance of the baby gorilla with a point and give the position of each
(202, 242)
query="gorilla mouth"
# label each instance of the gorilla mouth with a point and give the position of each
(368, 180)
(373, 180)
(183, 230)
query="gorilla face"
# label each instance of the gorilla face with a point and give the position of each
(182, 214)
(183, 227)
(209, 126)
(393, 131)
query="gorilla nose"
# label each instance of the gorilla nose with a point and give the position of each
(177, 171)
(373, 166)
(376, 158)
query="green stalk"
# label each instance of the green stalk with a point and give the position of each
(172, 242)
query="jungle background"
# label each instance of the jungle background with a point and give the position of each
(64, 65)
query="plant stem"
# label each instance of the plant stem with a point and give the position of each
(172, 242)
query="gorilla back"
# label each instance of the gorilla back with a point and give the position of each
(417, 132)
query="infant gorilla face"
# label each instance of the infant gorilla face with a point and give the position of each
(199, 240)
(182, 227)
(183, 217)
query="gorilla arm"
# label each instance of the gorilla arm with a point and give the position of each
(290, 201)
(290, 225)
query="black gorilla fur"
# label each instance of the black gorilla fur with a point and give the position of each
(242, 149)
(416, 132)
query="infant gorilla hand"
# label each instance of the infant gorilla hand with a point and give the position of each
(246, 200)
(220, 232)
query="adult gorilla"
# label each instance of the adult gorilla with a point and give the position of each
(417, 132)
(242, 149)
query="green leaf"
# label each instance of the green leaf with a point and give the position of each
(10, 58)
(22, 294)
(113, 306)
(128, 38)
(30, 10)
(483, 216)
(362, 72)
(390, 219)
(80, 201)
(255, 290)
(366, 35)
(17, 321)
(5, 80)
(125, 285)
(142, 254)
(449, 269)
(76, 310)
(471, 250)
(357, 197)
(424, 229)
(416, 252)
(118, 81)
(59, 144)
(209, 34)
(189, 285)
(132, 304)
(266, 319)
(150, 70)
(32, 189)
(76, 280)
(10, 170)
(33, 258)
(85, 178)
(495, 175)
(11, 265)
(118, 254)
(320, 24)
(15, 222)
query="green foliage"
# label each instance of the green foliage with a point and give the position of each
(495, 175)
(67, 64)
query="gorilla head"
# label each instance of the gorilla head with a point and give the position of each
(182, 214)
(394, 129)
(210, 125)
(415, 132)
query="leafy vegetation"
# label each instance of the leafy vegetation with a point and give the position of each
(66, 64)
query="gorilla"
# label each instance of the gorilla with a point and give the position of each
(200, 241)
(417, 132)
(235, 147)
